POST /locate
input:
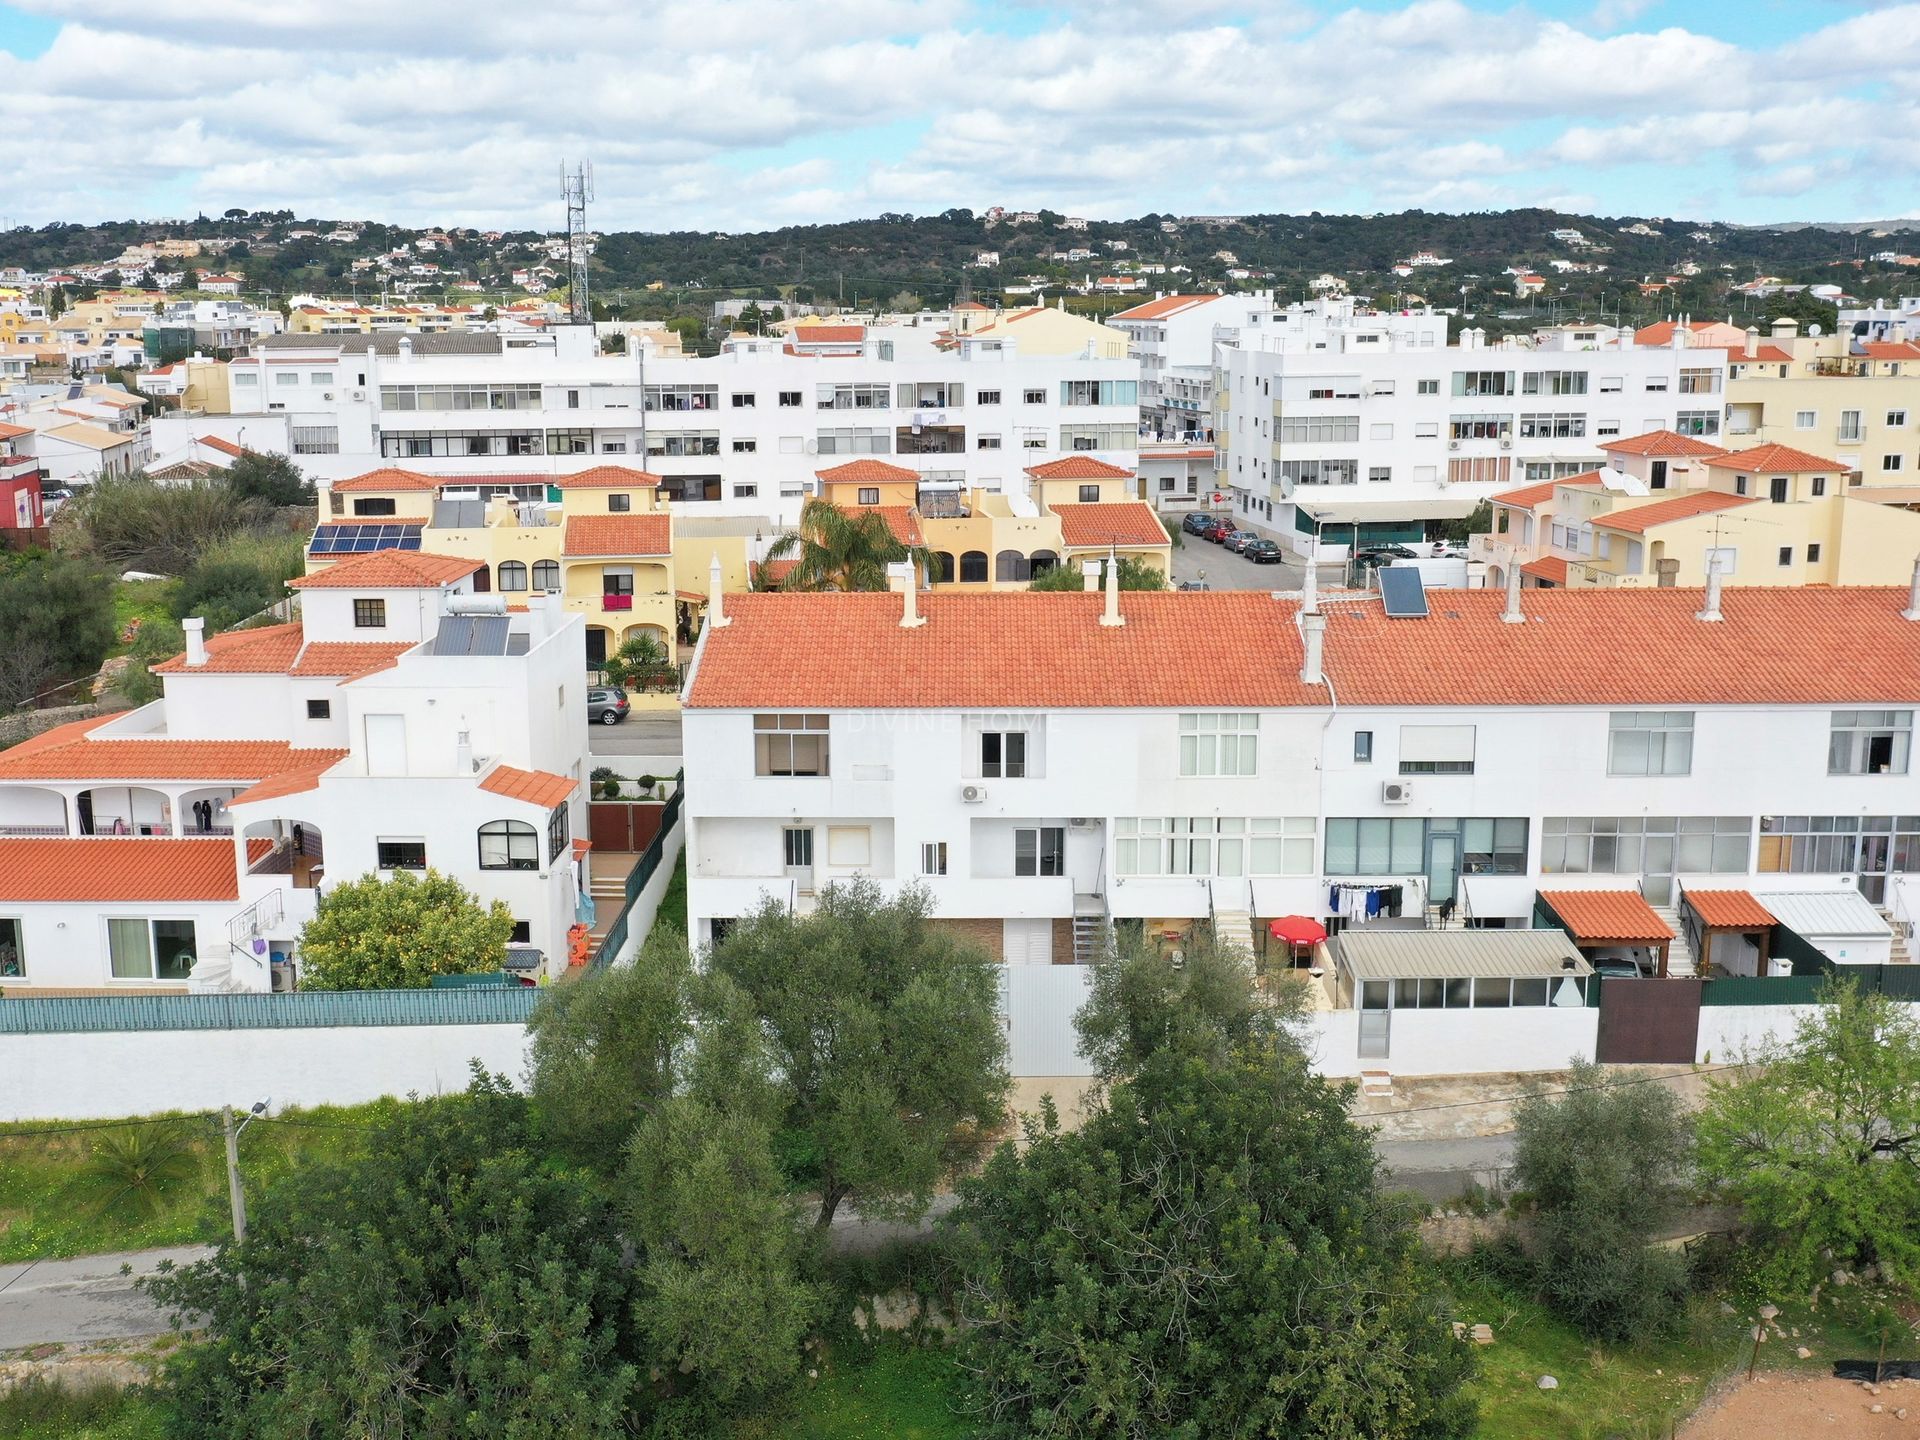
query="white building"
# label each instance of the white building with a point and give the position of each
(739, 434)
(402, 723)
(1363, 426)
(1034, 763)
(1172, 336)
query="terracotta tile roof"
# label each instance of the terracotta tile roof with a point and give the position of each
(1661, 331)
(1164, 306)
(828, 334)
(389, 570)
(1000, 649)
(1891, 350)
(1728, 907)
(1681, 507)
(774, 570)
(618, 535)
(103, 871)
(1661, 445)
(295, 780)
(536, 787)
(1777, 460)
(1737, 354)
(269, 650)
(90, 759)
(580, 848)
(1079, 467)
(225, 447)
(603, 477)
(1120, 522)
(867, 472)
(1528, 496)
(1550, 568)
(14, 432)
(349, 659)
(387, 479)
(900, 520)
(1600, 916)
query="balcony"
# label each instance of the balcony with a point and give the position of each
(616, 602)
(931, 440)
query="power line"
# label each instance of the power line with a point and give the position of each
(12, 1134)
(1543, 1094)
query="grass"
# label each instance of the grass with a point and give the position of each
(141, 600)
(53, 1206)
(673, 904)
(39, 1411)
(894, 1391)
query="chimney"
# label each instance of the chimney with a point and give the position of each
(196, 633)
(1710, 611)
(1512, 615)
(463, 754)
(1912, 612)
(900, 576)
(1310, 580)
(1090, 576)
(1313, 635)
(1785, 329)
(1112, 616)
(1753, 341)
(716, 615)
(406, 349)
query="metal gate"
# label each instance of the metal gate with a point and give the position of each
(1648, 1022)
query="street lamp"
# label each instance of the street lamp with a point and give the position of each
(236, 1197)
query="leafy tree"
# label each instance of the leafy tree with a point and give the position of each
(396, 934)
(838, 549)
(56, 622)
(158, 640)
(1135, 574)
(640, 663)
(130, 523)
(885, 1036)
(446, 1282)
(225, 592)
(1818, 1139)
(1478, 522)
(1604, 1167)
(272, 478)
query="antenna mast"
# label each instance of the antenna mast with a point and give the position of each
(576, 188)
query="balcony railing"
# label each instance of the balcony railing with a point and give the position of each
(616, 602)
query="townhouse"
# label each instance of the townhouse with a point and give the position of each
(1049, 764)
(1855, 400)
(403, 722)
(1356, 427)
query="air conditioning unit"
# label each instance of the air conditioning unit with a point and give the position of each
(1080, 822)
(1395, 792)
(326, 395)
(1453, 444)
(359, 395)
(1506, 444)
(973, 794)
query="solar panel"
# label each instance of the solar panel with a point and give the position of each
(471, 635)
(360, 539)
(1401, 589)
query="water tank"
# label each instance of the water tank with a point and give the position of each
(476, 605)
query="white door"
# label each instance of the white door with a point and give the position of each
(386, 744)
(1028, 942)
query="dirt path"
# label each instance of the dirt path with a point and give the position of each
(1797, 1407)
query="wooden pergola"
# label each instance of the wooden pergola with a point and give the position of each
(1730, 912)
(1603, 919)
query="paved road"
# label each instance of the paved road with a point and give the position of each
(1197, 559)
(1439, 1170)
(77, 1301)
(643, 732)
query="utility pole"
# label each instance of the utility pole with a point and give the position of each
(236, 1197)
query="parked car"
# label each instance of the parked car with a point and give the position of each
(1614, 967)
(1374, 556)
(607, 705)
(1196, 521)
(1219, 532)
(1238, 540)
(1263, 552)
(1195, 585)
(1444, 550)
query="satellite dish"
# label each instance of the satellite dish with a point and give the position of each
(1813, 329)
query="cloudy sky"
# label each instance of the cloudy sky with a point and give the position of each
(746, 114)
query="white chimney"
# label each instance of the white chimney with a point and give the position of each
(1113, 617)
(900, 577)
(1310, 580)
(1313, 635)
(1711, 609)
(1512, 615)
(406, 349)
(463, 754)
(716, 615)
(1090, 575)
(1912, 612)
(196, 633)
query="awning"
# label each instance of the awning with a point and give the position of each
(1457, 954)
(1729, 909)
(1608, 917)
(1836, 912)
(1384, 511)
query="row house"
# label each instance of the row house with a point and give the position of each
(1034, 762)
(404, 722)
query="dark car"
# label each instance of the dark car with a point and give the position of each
(1196, 521)
(1615, 968)
(1374, 556)
(1263, 552)
(1238, 540)
(606, 705)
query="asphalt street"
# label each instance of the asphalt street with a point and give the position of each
(1197, 559)
(80, 1301)
(643, 732)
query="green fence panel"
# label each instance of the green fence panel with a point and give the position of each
(1763, 990)
(303, 1010)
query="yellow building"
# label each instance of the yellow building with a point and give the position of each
(341, 319)
(1859, 403)
(1043, 330)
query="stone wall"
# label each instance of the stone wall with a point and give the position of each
(25, 724)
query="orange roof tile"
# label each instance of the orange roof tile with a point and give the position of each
(103, 871)
(1662, 444)
(1599, 916)
(388, 478)
(604, 477)
(1681, 507)
(1891, 350)
(774, 571)
(91, 759)
(1120, 522)
(828, 334)
(1737, 354)
(270, 650)
(536, 787)
(1776, 459)
(14, 432)
(348, 658)
(618, 535)
(1728, 907)
(900, 520)
(867, 472)
(295, 780)
(1550, 568)
(225, 447)
(1079, 467)
(389, 570)
(1528, 496)
(580, 848)
(1163, 306)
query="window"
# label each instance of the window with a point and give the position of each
(1379, 474)
(1479, 427)
(1380, 846)
(1871, 846)
(741, 402)
(319, 709)
(1803, 419)
(546, 574)
(986, 442)
(745, 447)
(1697, 422)
(1319, 429)
(1483, 382)
(1225, 742)
(1228, 846)
(1554, 382)
(1656, 384)
(790, 745)
(369, 614)
(1820, 483)
(244, 380)
(557, 833)
(1650, 742)
(1429, 387)
(986, 397)
(521, 934)
(1436, 749)
(1896, 418)
(1777, 488)
(1553, 427)
(401, 854)
(373, 505)
(1034, 397)
(1003, 754)
(509, 845)
(316, 439)
(13, 950)
(150, 949)
(745, 492)
(1869, 742)
(1363, 747)
(1786, 554)
(1426, 430)
(1850, 427)
(513, 575)
(1612, 384)
(1813, 554)
(790, 399)
(973, 566)
(1890, 462)
(796, 847)
(1320, 472)
(1041, 851)
(619, 504)
(284, 378)
(1099, 392)
(869, 495)
(1644, 844)
(933, 858)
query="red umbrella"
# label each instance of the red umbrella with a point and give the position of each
(1297, 930)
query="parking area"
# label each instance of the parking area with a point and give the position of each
(1221, 569)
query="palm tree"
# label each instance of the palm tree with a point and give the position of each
(836, 549)
(136, 1172)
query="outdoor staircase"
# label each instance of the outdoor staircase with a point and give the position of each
(240, 971)
(609, 894)
(1902, 952)
(1681, 961)
(1089, 928)
(1233, 928)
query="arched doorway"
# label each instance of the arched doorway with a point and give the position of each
(1040, 562)
(123, 810)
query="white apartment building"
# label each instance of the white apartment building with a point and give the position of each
(1364, 427)
(1036, 764)
(739, 434)
(401, 723)
(1877, 321)
(1172, 337)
